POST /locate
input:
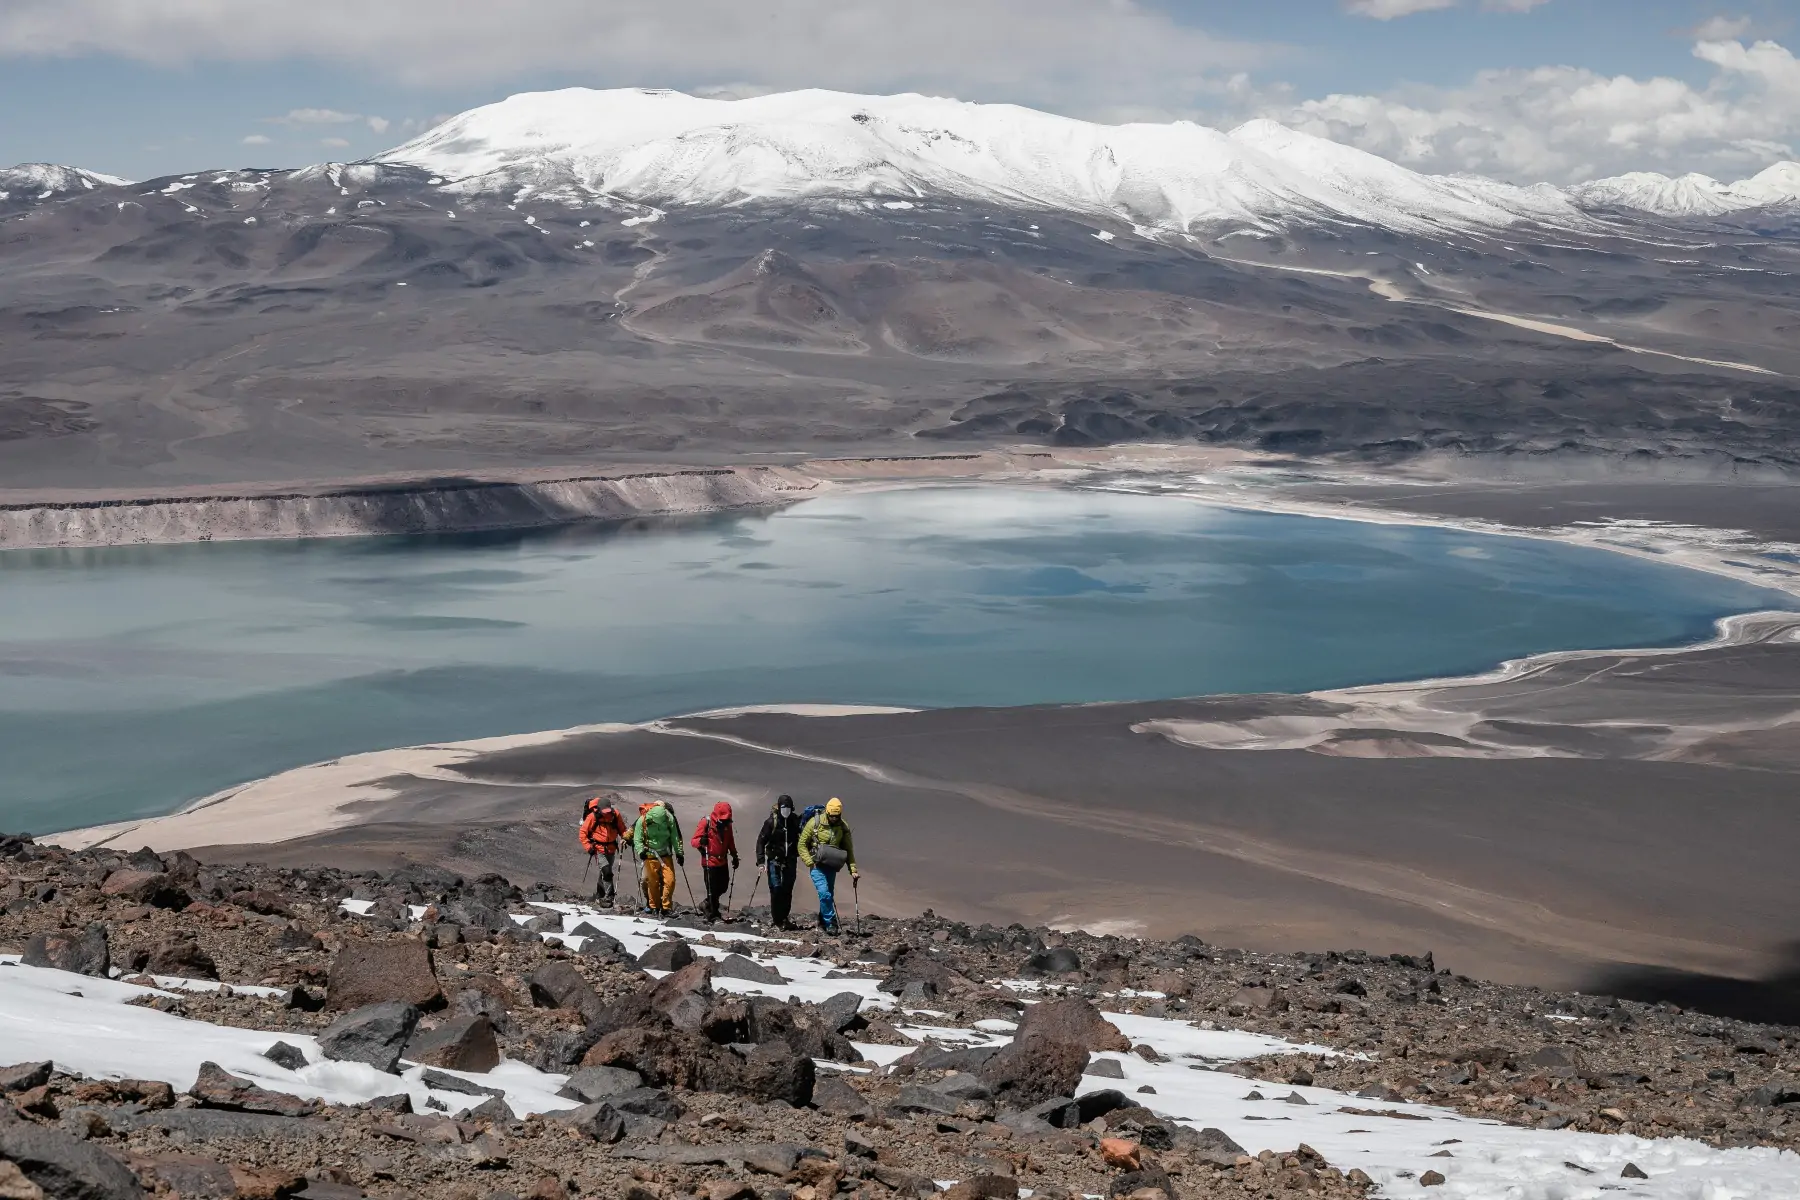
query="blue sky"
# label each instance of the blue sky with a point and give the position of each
(1564, 89)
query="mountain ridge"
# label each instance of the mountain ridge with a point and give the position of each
(660, 147)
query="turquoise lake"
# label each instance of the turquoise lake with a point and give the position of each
(134, 680)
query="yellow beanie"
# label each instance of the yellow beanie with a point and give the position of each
(834, 807)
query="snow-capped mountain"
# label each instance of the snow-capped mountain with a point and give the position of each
(666, 148)
(1691, 195)
(46, 181)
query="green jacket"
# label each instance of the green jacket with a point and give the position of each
(820, 832)
(658, 833)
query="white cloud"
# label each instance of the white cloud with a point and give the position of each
(314, 116)
(1387, 10)
(258, 139)
(1722, 29)
(1564, 124)
(333, 143)
(378, 124)
(1071, 53)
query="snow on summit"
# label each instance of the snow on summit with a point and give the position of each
(668, 148)
(1692, 195)
(45, 181)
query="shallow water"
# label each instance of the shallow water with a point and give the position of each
(135, 679)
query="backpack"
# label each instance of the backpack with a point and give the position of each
(592, 804)
(812, 810)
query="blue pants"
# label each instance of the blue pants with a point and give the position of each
(826, 883)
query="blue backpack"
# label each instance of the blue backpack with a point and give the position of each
(811, 811)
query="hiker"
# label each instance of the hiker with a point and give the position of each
(716, 843)
(657, 841)
(601, 830)
(825, 847)
(779, 845)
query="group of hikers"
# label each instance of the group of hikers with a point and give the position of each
(817, 838)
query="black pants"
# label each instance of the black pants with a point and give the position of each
(603, 886)
(717, 880)
(781, 889)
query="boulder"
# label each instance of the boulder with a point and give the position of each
(684, 996)
(961, 1086)
(1059, 960)
(1071, 1020)
(438, 1081)
(1105, 1068)
(667, 1058)
(559, 985)
(22, 1077)
(842, 1013)
(984, 1187)
(1032, 1070)
(374, 1034)
(736, 966)
(669, 955)
(459, 1044)
(599, 943)
(365, 973)
(1212, 1145)
(1257, 1000)
(283, 1054)
(933, 1057)
(1098, 1104)
(85, 953)
(919, 967)
(916, 1099)
(64, 1167)
(834, 1097)
(180, 955)
(1149, 1178)
(593, 1084)
(598, 1122)
(773, 1071)
(145, 887)
(215, 1087)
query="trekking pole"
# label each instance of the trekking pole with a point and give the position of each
(637, 879)
(731, 892)
(690, 886)
(751, 902)
(585, 870)
(856, 899)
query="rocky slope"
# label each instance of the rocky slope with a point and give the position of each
(686, 1072)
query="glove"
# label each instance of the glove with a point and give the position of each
(759, 861)
(591, 854)
(853, 873)
(681, 858)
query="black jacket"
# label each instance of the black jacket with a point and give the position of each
(779, 839)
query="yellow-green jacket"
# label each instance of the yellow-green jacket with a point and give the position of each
(820, 832)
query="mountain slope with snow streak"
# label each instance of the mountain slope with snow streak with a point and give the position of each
(666, 148)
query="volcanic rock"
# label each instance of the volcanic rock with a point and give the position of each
(398, 969)
(459, 1044)
(374, 1034)
(86, 953)
(670, 955)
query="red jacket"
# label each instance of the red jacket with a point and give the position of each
(714, 839)
(601, 828)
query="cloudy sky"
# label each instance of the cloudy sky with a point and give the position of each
(1521, 89)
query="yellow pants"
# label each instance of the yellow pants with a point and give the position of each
(659, 883)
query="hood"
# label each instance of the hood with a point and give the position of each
(721, 811)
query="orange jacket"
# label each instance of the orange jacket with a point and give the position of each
(601, 828)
